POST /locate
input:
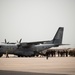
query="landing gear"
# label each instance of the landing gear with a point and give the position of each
(20, 55)
(1, 55)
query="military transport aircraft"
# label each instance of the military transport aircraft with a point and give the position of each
(29, 49)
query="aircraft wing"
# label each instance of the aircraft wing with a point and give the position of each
(28, 44)
(37, 42)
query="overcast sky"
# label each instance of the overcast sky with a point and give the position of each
(36, 20)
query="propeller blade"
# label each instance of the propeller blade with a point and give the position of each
(5, 41)
(20, 40)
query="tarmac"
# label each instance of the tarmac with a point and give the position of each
(37, 66)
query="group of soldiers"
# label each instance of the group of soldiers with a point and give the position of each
(53, 53)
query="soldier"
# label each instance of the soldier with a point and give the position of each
(54, 53)
(58, 53)
(47, 54)
(66, 53)
(7, 54)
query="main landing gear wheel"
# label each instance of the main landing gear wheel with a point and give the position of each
(1, 55)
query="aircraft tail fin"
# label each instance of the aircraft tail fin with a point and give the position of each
(58, 36)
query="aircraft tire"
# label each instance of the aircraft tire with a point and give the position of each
(18, 55)
(1, 55)
(21, 56)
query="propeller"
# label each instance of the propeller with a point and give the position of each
(20, 40)
(12, 42)
(19, 43)
(5, 41)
